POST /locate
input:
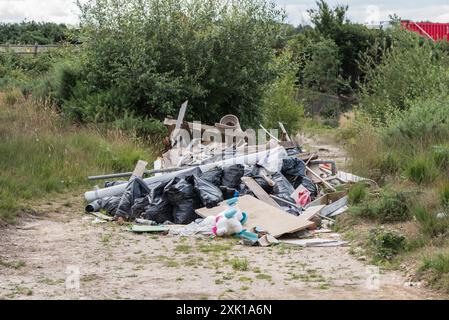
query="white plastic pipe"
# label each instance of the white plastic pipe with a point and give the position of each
(274, 155)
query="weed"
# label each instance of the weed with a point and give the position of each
(182, 248)
(440, 155)
(429, 223)
(244, 288)
(239, 264)
(214, 247)
(385, 244)
(263, 276)
(421, 170)
(444, 195)
(357, 193)
(436, 270)
(12, 264)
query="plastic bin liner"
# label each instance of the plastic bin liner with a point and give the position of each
(180, 194)
(232, 175)
(209, 194)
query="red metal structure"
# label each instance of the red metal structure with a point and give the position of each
(432, 30)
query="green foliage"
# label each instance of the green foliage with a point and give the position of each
(408, 70)
(424, 123)
(444, 195)
(429, 223)
(357, 193)
(421, 169)
(31, 32)
(279, 100)
(152, 55)
(441, 156)
(385, 244)
(436, 268)
(390, 206)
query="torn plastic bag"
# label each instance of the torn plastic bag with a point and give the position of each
(179, 192)
(232, 175)
(213, 176)
(135, 189)
(209, 194)
(228, 193)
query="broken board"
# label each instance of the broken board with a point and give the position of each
(276, 221)
(259, 192)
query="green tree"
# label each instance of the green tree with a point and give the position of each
(148, 56)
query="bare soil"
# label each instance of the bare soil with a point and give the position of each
(58, 253)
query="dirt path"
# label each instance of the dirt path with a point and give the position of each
(60, 254)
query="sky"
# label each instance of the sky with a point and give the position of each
(363, 11)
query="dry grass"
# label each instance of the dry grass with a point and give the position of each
(40, 153)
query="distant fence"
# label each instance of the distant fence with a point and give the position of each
(27, 49)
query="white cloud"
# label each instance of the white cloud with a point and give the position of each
(65, 11)
(60, 11)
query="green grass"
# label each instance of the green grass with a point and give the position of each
(421, 170)
(357, 193)
(239, 264)
(435, 269)
(430, 225)
(40, 154)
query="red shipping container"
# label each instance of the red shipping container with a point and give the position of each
(436, 31)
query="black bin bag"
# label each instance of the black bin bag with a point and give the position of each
(232, 175)
(159, 208)
(179, 192)
(135, 189)
(213, 176)
(210, 195)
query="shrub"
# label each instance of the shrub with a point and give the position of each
(390, 206)
(156, 54)
(279, 100)
(385, 244)
(410, 69)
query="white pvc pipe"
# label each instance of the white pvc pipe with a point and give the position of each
(267, 156)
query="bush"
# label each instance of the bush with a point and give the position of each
(390, 206)
(429, 223)
(409, 70)
(153, 55)
(385, 244)
(279, 100)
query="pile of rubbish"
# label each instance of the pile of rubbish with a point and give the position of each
(258, 193)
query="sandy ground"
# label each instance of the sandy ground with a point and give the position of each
(59, 254)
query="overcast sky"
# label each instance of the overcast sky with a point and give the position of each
(359, 10)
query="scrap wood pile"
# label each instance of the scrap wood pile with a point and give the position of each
(258, 196)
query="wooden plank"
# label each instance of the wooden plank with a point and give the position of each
(311, 212)
(284, 131)
(276, 221)
(259, 192)
(139, 170)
